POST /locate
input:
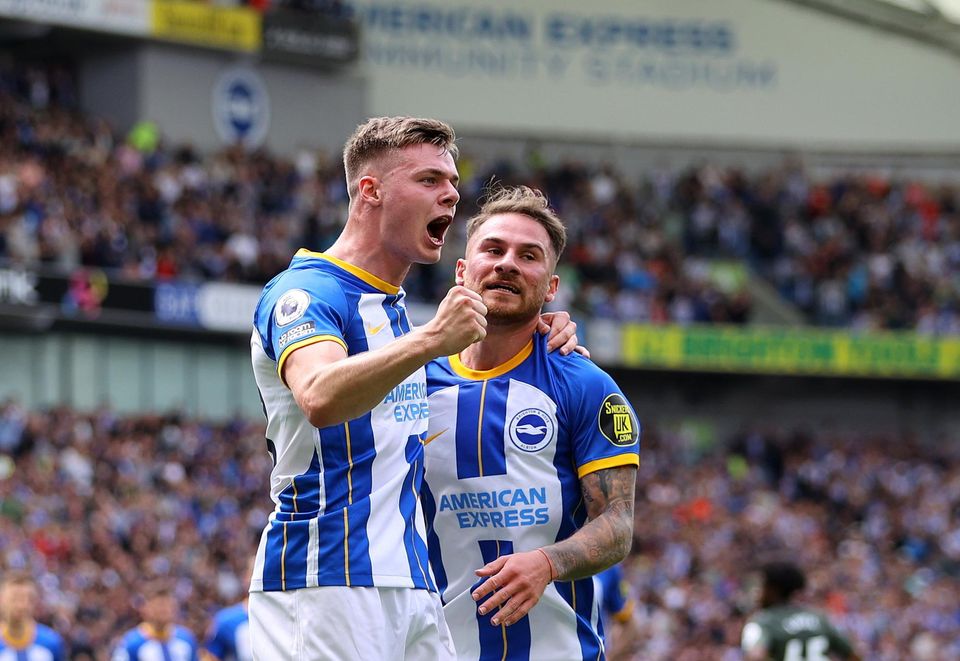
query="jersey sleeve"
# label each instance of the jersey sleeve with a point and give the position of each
(123, 651)
(301, 308)
(187, 635)
(213, 643)
(58, 648)
(605, 430)
(838, 642)
(754, 636)
(616, 595)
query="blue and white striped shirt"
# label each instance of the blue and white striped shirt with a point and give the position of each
(229, 635)
(40, 644)
(347, 508)
(143, 644)
(505, 453)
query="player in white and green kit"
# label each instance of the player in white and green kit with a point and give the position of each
(784, 631)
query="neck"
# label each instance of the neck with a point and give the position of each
(502, 343)
(353, 247)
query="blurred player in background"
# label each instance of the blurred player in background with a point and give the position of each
(229, 635)
(342, 570)
(784, 631)
(158, 636)
(531, 457)
(228, 638)
(21, 636)
(616, 612)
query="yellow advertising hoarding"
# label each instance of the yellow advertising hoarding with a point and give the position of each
(790, 351)
(234, 28)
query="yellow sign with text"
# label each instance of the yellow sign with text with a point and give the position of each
(791, 351)
(232, 28)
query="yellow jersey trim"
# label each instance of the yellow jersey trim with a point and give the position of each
(21, 643)
(629, 459)
(479, 375)
(483, 397)
(366, 276)
(625, 613)
(302, 343)
(153, 633)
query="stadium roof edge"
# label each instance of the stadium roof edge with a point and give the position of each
(926, 21)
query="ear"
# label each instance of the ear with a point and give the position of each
(552, 288)
(461, 267)
(368, 190)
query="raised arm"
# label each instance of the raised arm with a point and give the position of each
(332, 387)
(517, 581)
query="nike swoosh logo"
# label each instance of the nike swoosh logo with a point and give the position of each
(429, 439)
(373, 330)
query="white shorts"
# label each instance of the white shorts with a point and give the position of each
(349, 624)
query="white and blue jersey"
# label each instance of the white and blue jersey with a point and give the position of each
(229, 635)
(143, 644)
(40, 644)
(347, 510)
(505, 453)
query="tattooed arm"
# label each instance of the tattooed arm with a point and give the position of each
(606, 538)
(517, 581)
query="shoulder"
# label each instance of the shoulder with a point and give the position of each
(294, 292)
(185, 634)
(232, 614)
(577, 372)
(132, 638)
(314, 281)
(47, 636)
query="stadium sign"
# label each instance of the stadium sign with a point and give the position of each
(130, 17)
(241, 108)
(232, 28)
(732, 72)
(790, 351)
(296, 37)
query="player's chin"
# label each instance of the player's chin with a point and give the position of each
(429, 254)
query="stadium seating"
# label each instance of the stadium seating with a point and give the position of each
(848, 251)
(95, 504)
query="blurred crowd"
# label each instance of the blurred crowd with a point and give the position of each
(667, 246)
(97, 504)
(875, 522)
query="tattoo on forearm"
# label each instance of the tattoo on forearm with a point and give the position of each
(606, 538)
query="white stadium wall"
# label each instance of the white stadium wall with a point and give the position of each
(682, 75)
(307, 108)
(738, 72)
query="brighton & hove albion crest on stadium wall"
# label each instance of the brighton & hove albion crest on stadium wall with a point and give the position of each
(241, 107)
(531, 430)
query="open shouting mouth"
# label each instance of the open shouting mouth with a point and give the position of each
(437, 229)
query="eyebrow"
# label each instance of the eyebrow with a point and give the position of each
(439, 173)
(523, 246)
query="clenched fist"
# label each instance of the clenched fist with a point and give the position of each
(460, 321)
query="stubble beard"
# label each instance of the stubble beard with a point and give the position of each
(510, 314)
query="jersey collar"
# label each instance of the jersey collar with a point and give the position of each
(481, 375)
(153, 633)
(20, 643)
(366, 276)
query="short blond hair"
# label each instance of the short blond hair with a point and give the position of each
(380, 135)
(523, 200)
